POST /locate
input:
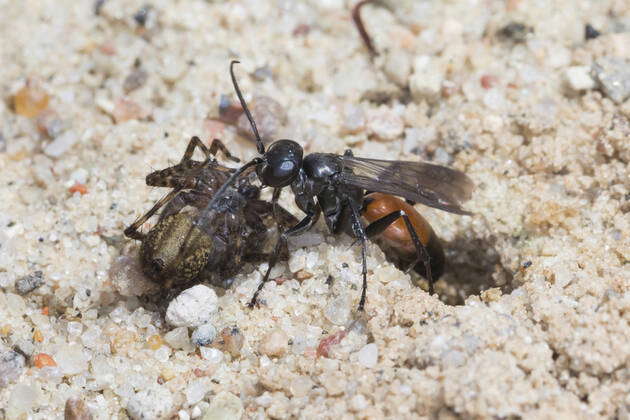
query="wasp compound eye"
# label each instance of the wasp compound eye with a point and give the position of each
(282, 163)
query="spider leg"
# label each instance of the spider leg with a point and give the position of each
(133, 231)
(216, 146)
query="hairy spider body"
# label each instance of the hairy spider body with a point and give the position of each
(179, 250)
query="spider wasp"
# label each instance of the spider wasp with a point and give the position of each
(335, 186)
(177, 251)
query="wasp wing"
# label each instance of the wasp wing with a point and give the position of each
(432, 185)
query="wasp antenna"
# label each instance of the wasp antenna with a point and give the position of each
(259, 144)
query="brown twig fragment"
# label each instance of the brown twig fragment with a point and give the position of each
(358, 22)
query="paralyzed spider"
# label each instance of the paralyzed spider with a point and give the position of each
(178, 251)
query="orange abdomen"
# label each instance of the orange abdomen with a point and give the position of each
(397, 236)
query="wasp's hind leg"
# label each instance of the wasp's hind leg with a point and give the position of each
(422, 254)
(360, 233)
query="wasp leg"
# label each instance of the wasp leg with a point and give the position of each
(303, 225)
(133, 232)
(360, 233)
(378, 226)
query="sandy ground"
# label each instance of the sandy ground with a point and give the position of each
(532, 317)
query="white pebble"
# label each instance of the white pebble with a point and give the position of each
(358, 402)
(300, 386)
(80, 175)
(338, 310)
(368, 355)
(579, 77)
(23, 397)
(385, 124)
(492, 123)
(398, 67)
(74, 329)
(212, 355)
(196, 412)
(155, 402)
(162, 354)
(426, 81)
(559, 57)
(193, 307)
(71, 359)
(183, 415)
(196, 390)
(225, 406)
(494, 99)
(178, 338)
(274, 343)
(297, 261)
(61, 144)
(353, 121)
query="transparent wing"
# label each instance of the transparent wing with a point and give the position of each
(432, 185)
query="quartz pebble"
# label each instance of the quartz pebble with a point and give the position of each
(204, 335)
(196, 390)
(71, 359)
(211, 354)
(30, 282)
(358, 402)
(613, 77)
(178, 338)
(61, 144)
(338, 310)
(193, 307)
(22, 399)
(385, 125)
(11, 366)
(426, 81)
(224, 406)
(579, 78)
(274, 343)
(398, 67)
(155, 402)
(368, 355)
(353, 120)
